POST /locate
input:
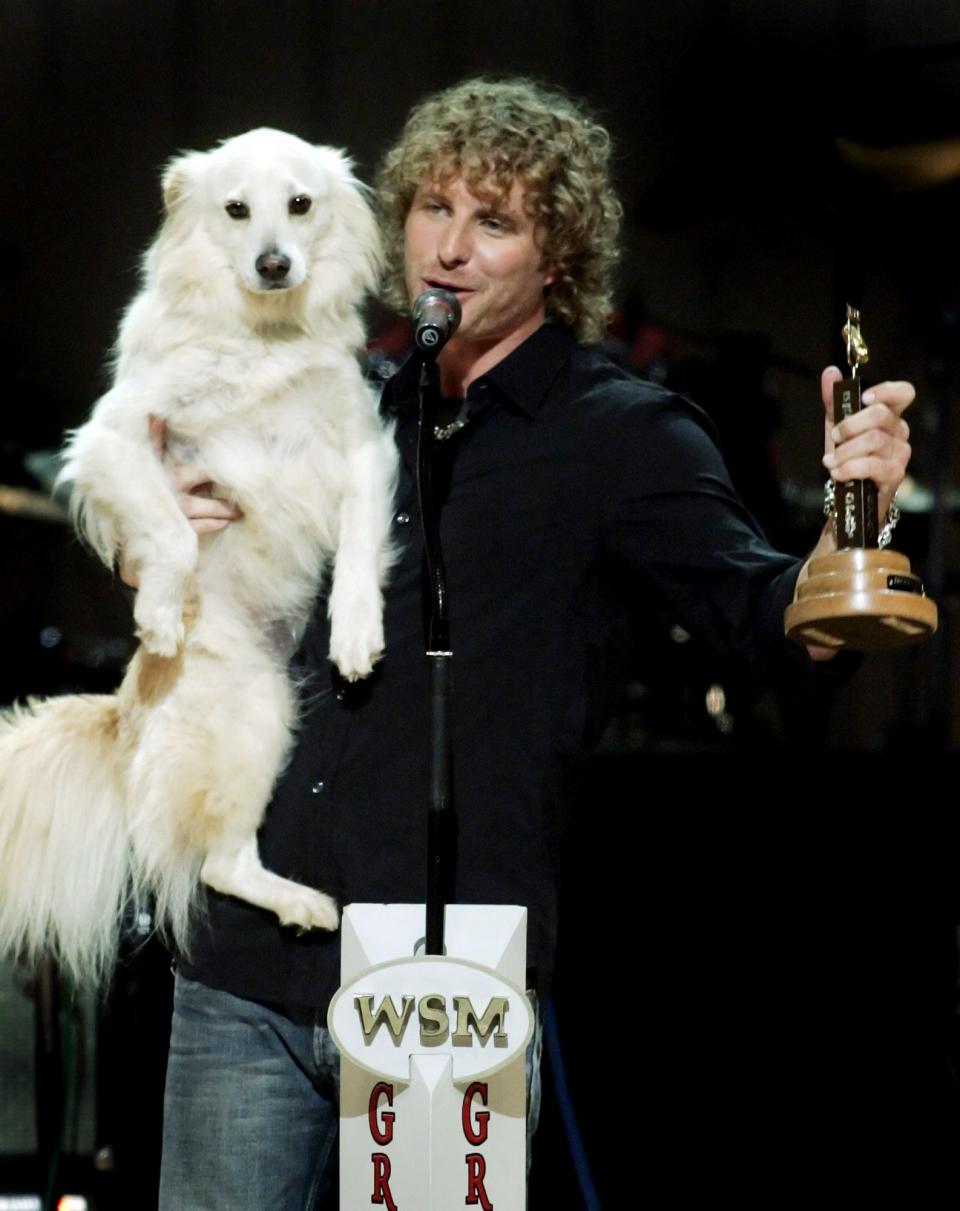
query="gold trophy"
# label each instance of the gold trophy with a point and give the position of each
(864, 595)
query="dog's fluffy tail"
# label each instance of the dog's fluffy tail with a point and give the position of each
(65, 866)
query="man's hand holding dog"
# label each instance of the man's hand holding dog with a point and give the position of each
(205, 513)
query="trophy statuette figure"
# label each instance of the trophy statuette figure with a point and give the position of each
(863, 595)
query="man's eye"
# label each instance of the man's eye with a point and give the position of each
(238, 210)
(300, 204)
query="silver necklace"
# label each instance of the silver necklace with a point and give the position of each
(442, 432)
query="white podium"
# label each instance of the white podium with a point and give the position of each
(432, 1077)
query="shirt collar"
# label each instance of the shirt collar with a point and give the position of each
(523, 378)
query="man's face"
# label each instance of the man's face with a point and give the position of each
(487, 252)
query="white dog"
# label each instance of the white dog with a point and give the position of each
(243, 343)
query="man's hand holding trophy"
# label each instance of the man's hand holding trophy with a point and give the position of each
(862, 595)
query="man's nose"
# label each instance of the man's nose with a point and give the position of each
(454, 246)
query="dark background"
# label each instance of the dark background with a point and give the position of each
(783, 972)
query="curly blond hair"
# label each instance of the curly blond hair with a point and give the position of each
(490, 133)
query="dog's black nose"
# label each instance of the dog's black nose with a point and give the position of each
(273, 266)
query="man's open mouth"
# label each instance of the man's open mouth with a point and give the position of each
(440, 284)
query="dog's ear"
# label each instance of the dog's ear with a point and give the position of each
(359, 234)
(178, 176)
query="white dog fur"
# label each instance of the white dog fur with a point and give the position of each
(256, 379)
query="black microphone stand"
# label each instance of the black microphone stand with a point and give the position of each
(440, 815)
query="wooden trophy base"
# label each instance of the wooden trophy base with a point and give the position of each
(861, 598)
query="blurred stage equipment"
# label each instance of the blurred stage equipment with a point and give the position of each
(27, 502)
(47, 1114)
(907, 167)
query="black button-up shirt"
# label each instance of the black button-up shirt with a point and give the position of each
(574, 492)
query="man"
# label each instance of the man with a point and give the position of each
(569, 489)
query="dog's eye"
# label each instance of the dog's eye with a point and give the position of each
(238, 210)
(300, 204)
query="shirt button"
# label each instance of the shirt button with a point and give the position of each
(317, 787)
(402, 519)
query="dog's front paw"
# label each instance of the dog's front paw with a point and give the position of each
(163, 642)
(160, 629)
(308, 909)
(355, 651)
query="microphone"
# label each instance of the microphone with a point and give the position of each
(436, 315)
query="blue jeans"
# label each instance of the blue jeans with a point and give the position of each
(251, 1118)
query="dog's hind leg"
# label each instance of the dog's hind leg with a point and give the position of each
(203, 777)
(237, 871)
